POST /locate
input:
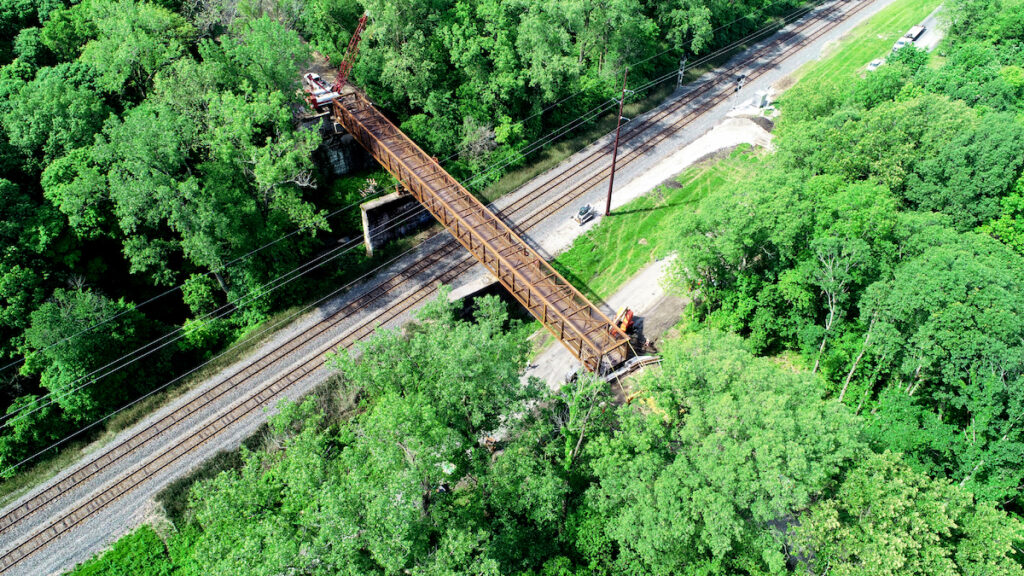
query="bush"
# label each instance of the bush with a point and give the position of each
(141, 553)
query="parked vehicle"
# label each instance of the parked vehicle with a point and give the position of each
(874, 64)
(915, 32)
(901, 43)
(585, 214)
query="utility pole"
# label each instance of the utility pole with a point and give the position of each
(682, 70)
(615, 150)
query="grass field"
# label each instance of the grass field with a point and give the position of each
(640, 232)
(872, 39)
(635, 235)
(576, 140)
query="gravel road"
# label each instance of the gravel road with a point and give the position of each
(656, 309)
(128, 511)
(934, 31)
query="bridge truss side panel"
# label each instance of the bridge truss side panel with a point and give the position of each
(581, 327)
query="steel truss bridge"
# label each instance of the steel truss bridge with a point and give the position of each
(579, 325)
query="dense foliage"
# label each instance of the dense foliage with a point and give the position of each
(451, 465)
(859, 415)
(149, 144)
(881, 241)
(137, 155)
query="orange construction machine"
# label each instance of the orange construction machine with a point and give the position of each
(624, 320)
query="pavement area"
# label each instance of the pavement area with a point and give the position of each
(933, 32)
(549, 236)
(655, 310)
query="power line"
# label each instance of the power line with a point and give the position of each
(175, 288)
(224, 309)
(261, 332)
(799, 12)
(217, 313)
(180, 332)
(60, 442)
(607, 105)
(522, 155)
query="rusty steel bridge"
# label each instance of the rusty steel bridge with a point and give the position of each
(568, 315)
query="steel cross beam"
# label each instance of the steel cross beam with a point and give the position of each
(581, 327)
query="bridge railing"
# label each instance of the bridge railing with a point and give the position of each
(564, 311)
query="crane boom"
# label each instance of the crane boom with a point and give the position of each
(350, 55)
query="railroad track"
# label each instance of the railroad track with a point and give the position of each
(706, 96)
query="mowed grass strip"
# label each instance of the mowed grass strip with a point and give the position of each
(642, 231)
(872, 39)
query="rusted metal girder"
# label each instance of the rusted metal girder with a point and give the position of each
(579, 325)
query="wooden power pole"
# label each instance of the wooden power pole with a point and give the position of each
(615, 150)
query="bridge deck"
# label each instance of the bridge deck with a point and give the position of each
(566, 313)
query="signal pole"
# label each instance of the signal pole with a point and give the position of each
(682, 70)
(615, 150)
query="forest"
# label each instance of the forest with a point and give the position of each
(844, 396)
(158, 203)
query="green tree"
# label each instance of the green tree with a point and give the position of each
(1008, 227)
(65, 356)
(886, 519)
(949, 336)
(969, 176)
(57, 111)
(140, 553)
(399, 487)
(134, 40)
(31, 423)
(77, 186)
(473, 368)
(699, 479)
(262, 51)
(68, 30)
(28, 231)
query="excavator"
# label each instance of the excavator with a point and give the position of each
(319, 93)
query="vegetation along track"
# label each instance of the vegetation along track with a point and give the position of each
(260, 396)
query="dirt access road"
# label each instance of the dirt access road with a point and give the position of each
(110, 490)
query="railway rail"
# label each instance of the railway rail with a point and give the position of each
(313, 345)
(578, 324)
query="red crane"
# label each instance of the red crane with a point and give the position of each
(320, 94)
(350, 55)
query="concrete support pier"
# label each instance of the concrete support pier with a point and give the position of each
(393, 216)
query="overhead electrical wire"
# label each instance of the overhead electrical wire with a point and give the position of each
(177, 334)
(327, 257)
(522, 154)
(771, 26)
(176, 288)
(538, 144)
(177, 379)
(560, 131)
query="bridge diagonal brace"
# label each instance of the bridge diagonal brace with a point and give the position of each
(584, 330)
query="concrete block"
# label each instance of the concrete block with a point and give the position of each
(393, 216)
